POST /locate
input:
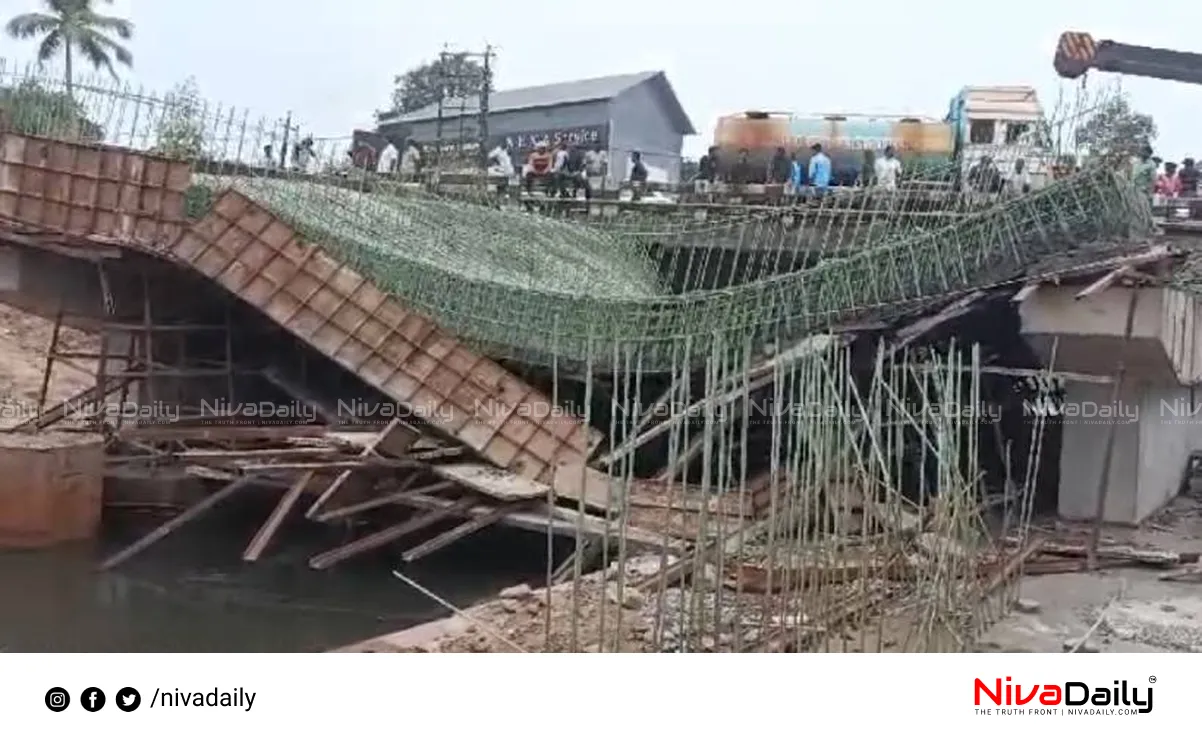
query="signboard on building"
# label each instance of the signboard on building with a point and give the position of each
(588, 137)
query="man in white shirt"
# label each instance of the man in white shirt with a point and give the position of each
(410, 160)
(387, 161)
(595, 163)
(1019, 182)
(559, 169)
(887, 170)
(500, 164)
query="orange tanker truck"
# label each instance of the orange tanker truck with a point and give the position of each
(1001, 121)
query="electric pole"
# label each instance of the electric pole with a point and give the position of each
(460, 81)
(443, 56)
(485, 93)
(284, 145)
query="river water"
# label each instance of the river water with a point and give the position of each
(192, 592)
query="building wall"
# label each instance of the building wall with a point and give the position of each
(633, 121)
(640, 123)
(569, 116)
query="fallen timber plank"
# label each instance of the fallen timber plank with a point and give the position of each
(391, 534)
(63, 409)
(587, 553)
(558, 520)
(372, 333)
(287, 501)
(493, 482)
(219, 433)
(383, 500)
(411, 438)
(219, 455)
(1150, 557)
(459, 532)
(344, 467)
(164, 529)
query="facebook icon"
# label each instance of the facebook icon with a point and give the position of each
(92, 699)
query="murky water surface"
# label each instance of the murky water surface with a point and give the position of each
(193, 593)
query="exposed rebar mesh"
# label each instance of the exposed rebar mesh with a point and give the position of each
(531, 286)
(784, 495)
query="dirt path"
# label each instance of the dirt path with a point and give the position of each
(24, 339)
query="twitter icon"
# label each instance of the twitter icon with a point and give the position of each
(128, 699)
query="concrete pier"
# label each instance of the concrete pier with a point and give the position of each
(1159, 408)
(51, 488)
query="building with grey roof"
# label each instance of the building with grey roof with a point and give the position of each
(617, 114)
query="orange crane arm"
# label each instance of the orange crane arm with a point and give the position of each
(1078, 52)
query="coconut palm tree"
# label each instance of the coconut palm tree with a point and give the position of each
(73, 26)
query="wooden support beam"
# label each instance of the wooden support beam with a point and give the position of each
(383, 500)
(459, 532)
(68, 406)
(564, 522)
(276, 519)
(589, 553)
(1102, 284)
(927, 323)
(346, 473)
(347, 467)
(211, 455)
(197, 509)
(387, 536)
(220, 433)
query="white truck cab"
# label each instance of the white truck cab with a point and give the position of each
(1005, 123)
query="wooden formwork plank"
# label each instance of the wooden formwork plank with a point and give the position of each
(370, 332)
(92, 190)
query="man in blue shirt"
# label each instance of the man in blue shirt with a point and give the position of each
(797, 175)
(820, 169)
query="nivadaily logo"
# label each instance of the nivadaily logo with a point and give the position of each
(1066, 698)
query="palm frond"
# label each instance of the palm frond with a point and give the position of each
(50, 46)
(28, 25)
(89, 45)
(123, 28)
(110, 48)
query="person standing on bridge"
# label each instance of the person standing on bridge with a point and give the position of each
(797, 175)
(778, 170)
(888, 169)
(740, 174)
(1144, 171)
(1189, 177)
(820, 169)
(1168, 184)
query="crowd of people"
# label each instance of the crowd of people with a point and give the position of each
(790, 171)
(563, 170)
(1164, 179)
(566, 170)
(883, 171)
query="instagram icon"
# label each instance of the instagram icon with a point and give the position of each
(57, 699)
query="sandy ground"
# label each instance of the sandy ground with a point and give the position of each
(1123, 610)
(1133, 610)
(24, 340)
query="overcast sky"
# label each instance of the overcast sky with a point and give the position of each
(333, 61)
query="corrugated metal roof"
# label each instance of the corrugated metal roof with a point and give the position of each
(555, 94)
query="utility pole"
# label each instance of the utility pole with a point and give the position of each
(284, 146)
(443, 56)
(482, 132)
(485, 94)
